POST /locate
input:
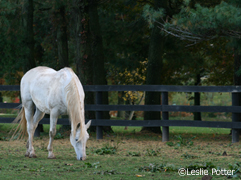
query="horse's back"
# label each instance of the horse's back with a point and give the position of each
(45, 88)
(36, 73)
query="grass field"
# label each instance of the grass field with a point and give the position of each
(125, 154)
(129, 154)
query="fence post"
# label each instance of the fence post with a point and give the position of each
(99, 131)
(235, 117)
(165, 116)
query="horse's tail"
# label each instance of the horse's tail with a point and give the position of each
(22, 125)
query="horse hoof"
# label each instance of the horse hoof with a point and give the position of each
(52, 157)
(32, 156)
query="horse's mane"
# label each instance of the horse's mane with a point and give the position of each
(74, 106)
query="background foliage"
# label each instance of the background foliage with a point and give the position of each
(173, 42)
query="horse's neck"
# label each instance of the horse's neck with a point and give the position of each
(75, 101)
(73, 97)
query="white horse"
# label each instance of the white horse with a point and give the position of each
(55, 93)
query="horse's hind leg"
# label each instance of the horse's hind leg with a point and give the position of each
(52, 131)
(32, 122)
(28, 107)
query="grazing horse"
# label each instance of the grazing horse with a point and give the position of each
(55, 93)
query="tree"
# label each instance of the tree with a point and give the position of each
(97, 53)
(154, 70)
(62, 38)
(206, 23)
(29, 35)
(81, 41)
(102, 39)
(90, 59)
(197, 23)
(12, 50)
(155, 64)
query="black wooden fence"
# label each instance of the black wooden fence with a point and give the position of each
(98, 107)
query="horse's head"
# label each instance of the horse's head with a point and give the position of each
(80, 146)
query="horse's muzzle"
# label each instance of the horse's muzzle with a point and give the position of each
(82, 159)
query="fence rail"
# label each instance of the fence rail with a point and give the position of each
(98, 107)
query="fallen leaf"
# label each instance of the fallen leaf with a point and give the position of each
(138, 175)
(69, 164)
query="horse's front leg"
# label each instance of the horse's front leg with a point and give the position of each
(52, 132)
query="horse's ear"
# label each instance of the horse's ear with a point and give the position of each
(88, 125)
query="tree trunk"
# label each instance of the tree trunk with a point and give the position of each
(83, 60)
(99, 76)
(30, 36)
(1, 98)
(237, 66)
(62, 40)
(237, 76)
(154, 70)
(197, 115)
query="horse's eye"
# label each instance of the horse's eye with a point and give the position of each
(76, 139)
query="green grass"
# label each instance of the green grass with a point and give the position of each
(133, 130)
(120, 165)
(8, 115)
(125, 154)
(199, 130)
(217, 99)
(176, 130)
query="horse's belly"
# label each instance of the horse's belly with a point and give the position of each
(40, 104)
(46, 106)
